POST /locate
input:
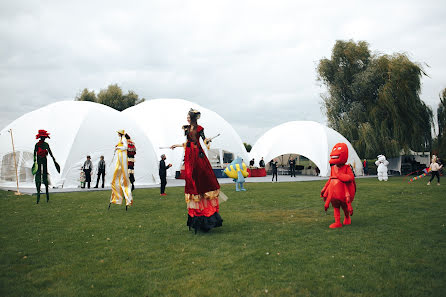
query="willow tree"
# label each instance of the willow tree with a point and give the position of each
(441, 120)
(373, 100)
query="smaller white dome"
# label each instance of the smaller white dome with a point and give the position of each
(306, 138)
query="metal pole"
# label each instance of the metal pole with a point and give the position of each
(15, 164)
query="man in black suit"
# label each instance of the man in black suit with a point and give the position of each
(101, 171)
(163, 172)
(292, 163)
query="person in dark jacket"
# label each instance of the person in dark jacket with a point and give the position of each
(273, 164)
(262, 163)
(101, 171)
(163, 172)
(292, 163)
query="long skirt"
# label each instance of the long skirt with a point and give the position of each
(121, 184)
(202, 190)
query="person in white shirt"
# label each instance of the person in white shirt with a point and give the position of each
(435, 170)
(88, 168)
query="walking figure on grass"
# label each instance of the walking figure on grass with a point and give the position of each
(40, 168)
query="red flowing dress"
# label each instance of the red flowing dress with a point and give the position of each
(202, 189)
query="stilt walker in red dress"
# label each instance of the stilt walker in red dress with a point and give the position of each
(202, 190)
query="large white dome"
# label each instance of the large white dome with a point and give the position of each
(162, 119)
(307, 138)
(77, 129)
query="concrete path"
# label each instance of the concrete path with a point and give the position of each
(181, 182)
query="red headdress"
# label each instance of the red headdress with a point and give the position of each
(42, 133)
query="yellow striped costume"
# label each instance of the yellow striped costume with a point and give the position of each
(120, 183)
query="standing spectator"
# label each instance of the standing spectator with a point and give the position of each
(88, 168)
(101, 171)
(131, 152)
(262, 163)
(163, 172)
(273, 165)
(364, 166)
(435, 170)
(292, 163)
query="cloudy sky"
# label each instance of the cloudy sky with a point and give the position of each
(253, 62)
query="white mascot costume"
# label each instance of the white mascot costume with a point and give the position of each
(382, 168)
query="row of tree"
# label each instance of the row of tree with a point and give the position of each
(373, 100)
(112, 96)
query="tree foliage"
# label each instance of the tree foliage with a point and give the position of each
(112, 96)
(440, 141)
(86, 95)
(373, 100)
(248, 147)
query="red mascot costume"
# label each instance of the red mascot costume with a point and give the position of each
(341, 187)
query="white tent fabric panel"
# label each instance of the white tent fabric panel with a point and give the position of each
(161, 121)
(78, 129)
(306, 138)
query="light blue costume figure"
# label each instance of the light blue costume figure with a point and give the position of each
(237, 171)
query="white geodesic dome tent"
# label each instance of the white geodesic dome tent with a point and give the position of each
(77, 129)
(162, 119)
(306, 138)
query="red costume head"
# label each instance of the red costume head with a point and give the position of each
(42, 133)
(339, 154)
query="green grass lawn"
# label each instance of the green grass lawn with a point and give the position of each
(275, 241)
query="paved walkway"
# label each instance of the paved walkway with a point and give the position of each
(181, 182)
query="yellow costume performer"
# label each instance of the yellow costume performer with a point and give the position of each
(121, 182)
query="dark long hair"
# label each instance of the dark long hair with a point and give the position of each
(194, 115)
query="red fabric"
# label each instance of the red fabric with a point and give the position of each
(206, 211)
(41, 152)
(199, 176)
(256, 172)
(131, 149)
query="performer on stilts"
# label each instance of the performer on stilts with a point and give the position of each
(121, 184)
(131, 152)
(40, 168)
(202, 190)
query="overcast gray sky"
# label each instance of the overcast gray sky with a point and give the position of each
(253, 62)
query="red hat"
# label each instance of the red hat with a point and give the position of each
(42, 133)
